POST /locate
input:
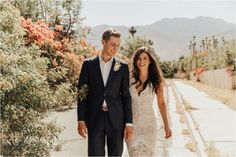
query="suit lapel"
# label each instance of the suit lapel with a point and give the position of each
(98, 70)
(111, 71)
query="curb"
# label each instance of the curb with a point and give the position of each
(200, 144)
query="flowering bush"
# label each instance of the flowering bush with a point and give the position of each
(198, 71)
(60, 51)
(230, 70)
(214, 57)
(39, 72)
(40, 34)
(26, 98)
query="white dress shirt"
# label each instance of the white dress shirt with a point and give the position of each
(105, 70)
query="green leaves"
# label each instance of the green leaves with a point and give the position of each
(218, 56)
(132, 44)
(26, 97)
(82, 93)
(167, 69)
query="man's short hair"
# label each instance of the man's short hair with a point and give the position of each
(110, 32)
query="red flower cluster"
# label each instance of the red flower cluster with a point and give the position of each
(230, 70)
(67, 50)
(198, 71)
(40, 34)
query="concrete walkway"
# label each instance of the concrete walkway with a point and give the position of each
(215, 122)
(177, 145)
(211, 124)
(74, 145)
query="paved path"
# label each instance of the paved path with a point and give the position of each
(216, 123)
(177, 145)
(174, 147)
(210, 123)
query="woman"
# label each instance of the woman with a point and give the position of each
(146, 82)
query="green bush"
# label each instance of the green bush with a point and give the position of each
(133, 43)
(167, 69)
(217, 56)
(26, 97)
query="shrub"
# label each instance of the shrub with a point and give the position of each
(26, 98)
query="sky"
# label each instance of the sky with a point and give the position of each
(145, 12)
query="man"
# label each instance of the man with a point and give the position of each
(106, 112)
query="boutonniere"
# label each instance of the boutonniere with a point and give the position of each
(117, 66)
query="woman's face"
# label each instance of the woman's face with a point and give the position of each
(143, 61)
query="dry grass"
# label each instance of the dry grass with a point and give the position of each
(227, 96)
(182, 119)
(191, 146)
(212, 151)
(185, 132)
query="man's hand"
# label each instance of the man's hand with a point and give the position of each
(128, 133)
(82, 129)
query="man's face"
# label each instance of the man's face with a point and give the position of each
(111, 46)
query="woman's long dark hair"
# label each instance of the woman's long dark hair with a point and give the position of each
(154, 76)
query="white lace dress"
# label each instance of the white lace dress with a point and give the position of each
(144, 138)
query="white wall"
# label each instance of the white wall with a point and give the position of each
(217, 78)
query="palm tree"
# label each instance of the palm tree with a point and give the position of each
(209, 42)
(223, 40)
(215, 41)
(150, 42)
(201, 49)
(203, 45)
(194, 44)
(132, 31)
(190, 46)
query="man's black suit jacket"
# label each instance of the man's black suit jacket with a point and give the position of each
(116, 93)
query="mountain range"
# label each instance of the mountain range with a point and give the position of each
(171, 36)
